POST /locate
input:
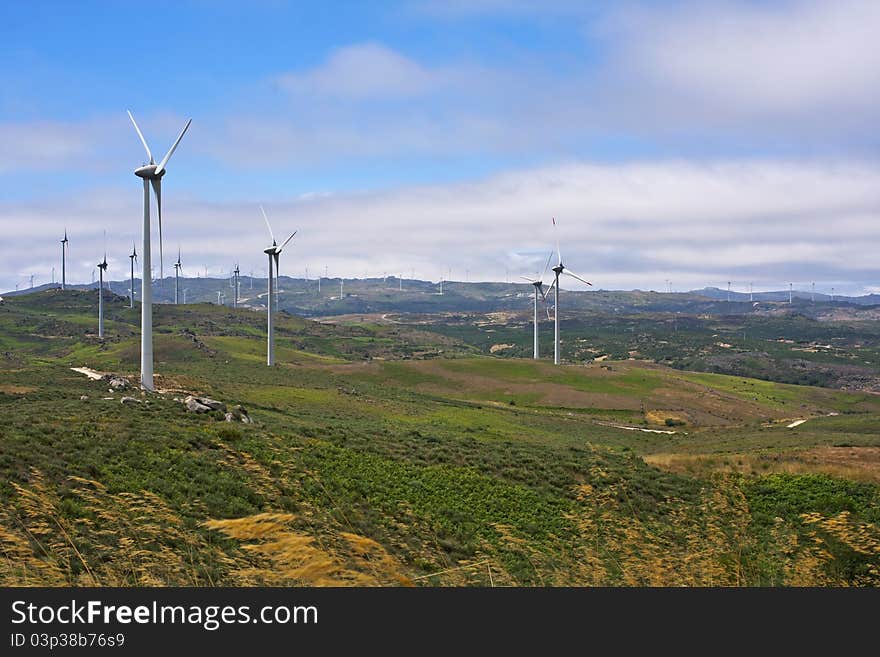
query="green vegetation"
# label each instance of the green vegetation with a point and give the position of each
(390, 454)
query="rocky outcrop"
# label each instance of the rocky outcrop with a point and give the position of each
(238, 414)
(194, 405)
(130, 401)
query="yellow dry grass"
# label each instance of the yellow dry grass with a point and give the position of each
(854, 463)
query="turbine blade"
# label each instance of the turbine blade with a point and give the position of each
(526, 278)
(266, 219)
(161, 167)
(157, 189)
(547, 266)
(141, 135)
(286, 241)
(573, 275)
(550, 289)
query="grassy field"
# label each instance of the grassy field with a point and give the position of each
(394, 455)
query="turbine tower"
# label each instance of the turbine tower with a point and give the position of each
(151, 174)
(133, 256)
(177, 269)
(557, 270)
(751, 294)
(273, 252)
(64, 260)
(102, 267)
(790, 292)
(538, 283)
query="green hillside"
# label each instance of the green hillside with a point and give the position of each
(394, 454)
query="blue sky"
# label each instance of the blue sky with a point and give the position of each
(390, 132)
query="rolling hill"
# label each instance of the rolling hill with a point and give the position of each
(385, 453)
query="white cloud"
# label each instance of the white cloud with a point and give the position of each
(734, 60)
(365, 70)
(625, 225)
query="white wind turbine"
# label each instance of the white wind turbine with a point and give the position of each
(102, 267)
(64, 260)
(177, 269)
(133, 256)
(557, 270)
(273, 252)
(152, 175)
(538, 282)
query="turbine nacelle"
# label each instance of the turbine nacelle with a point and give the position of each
(148, 172)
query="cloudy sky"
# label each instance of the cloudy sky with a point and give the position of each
(698, 142)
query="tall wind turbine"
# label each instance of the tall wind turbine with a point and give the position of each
(133, 256)
(102, 267)
(538, 282)
(790, 292)
(177, 268)
(557, 270)
(152, 176)
(273, 252)
(64, 260)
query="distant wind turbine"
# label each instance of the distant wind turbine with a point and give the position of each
(557, 270)
(64, 260)
(177, 269)
(151, 174)
(273, 252)
(133, 256)
(102, 267)
(538, 283)
(237, 284)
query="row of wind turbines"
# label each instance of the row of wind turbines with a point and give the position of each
(152, 173)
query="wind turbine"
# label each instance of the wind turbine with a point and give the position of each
(237, 285)
(177, 269)
(152, 176)
(751, 294)
(273, 252)
(557, 270)
(64, 260)
(133, 256)
(728, 291)
(538, 282)
(790, 292)
(102, 267)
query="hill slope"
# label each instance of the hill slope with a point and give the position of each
(376, 458)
